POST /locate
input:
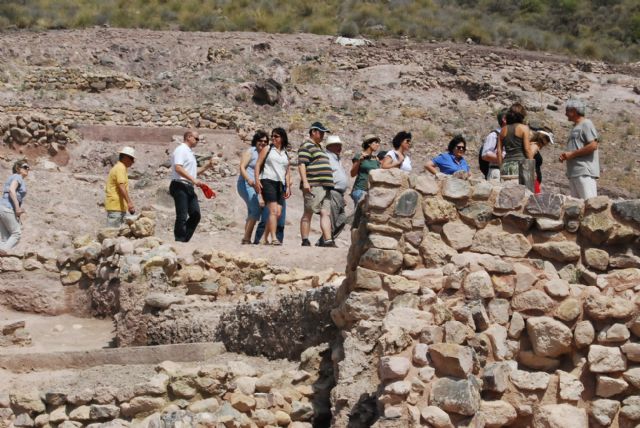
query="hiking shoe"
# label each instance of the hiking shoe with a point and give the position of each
(329, 243)
(306, 243)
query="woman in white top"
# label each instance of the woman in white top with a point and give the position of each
(399, 156)
(273, 180)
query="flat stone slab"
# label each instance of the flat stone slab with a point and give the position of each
(183, 352)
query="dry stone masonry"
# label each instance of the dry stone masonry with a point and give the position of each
(238, 393)
(56, 78)
(37, 131)
(473, 304)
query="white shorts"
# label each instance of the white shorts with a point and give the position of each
(583, 187)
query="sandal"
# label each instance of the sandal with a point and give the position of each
(245, 242)
(276, 243)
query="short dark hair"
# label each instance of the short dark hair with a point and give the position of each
(516, 114)
(17, 166)
(454, 142)
(260, 134)
(501, 115)
(122, 156)
(283, 135)
(399, 138)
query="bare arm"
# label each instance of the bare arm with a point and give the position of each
(261, 157)
(124, 193)
(503, 133)
(302, 169)
(244, 162)
(431, 167)
(490, 157)
(13, 189)
(526, 142)
(183, 173)
(208, 165)
(588, 149)
(287, 180)
(388, 162)
(355, 167)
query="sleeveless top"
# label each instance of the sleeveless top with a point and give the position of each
(251, 166)
(21, 191)
(512, 145)
(406, 162)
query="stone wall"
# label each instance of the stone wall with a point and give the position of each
(37, 131)
(208, 115)
(51, 78)
(237, 393)
(472, 304)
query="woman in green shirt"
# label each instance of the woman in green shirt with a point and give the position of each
(362, 164)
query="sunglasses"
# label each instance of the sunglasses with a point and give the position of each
(275, 136)
(25, 167)
(263, 140)
(463, 148)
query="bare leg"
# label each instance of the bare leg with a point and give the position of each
(305, 225)
(325, 224)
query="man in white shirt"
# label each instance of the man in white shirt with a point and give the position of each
(340, 184)
(489, 153)
(184, 173)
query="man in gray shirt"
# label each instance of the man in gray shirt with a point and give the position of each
(581, 155)
(340, 183)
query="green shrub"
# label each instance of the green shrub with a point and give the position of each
(349, 29)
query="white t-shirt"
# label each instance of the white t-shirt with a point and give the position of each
(275, 166)
(491, 144)
(406, 163)
(183, 155)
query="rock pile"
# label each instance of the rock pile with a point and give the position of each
(469, 304)
(56, 78)
(235, 394)
(37, 131)
(14, 333)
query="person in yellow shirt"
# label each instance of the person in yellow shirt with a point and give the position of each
(117, 201)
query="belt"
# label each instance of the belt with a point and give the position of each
(183, 182)
(494, 167)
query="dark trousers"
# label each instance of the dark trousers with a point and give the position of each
(187, 210)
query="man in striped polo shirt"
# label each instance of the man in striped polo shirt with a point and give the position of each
(316, 182)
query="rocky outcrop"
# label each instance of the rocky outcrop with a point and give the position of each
(489, 313)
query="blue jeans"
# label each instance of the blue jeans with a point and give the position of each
(250, 197)
(263, 224)
(356, 195)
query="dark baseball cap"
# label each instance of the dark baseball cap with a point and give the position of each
(319, 126)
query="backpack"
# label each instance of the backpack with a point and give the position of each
(484, 165)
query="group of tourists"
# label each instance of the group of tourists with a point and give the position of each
(265, 184)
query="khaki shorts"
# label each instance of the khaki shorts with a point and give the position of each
(318, 199)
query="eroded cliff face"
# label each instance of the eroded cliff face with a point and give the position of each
(472, 304)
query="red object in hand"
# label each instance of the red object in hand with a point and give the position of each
(208, 191)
